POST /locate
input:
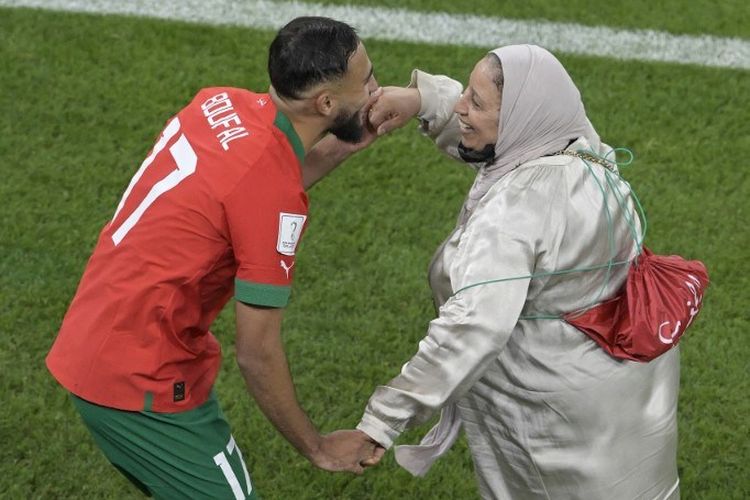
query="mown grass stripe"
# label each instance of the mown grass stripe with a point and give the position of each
(435, 28)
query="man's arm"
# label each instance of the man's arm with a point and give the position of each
(325, 156)
(262, 361)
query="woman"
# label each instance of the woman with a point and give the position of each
(547, 413)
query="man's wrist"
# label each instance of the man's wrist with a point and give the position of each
(311, 447)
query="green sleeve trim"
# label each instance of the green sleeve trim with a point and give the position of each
(261, 294)
(283, 124)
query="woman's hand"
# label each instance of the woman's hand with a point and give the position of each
(394, 108)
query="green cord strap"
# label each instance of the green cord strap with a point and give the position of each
(610, 172)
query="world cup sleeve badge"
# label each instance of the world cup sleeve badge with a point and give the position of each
(290, 229)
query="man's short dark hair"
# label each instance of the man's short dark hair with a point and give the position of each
(309, 51)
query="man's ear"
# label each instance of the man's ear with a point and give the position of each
(325, 103)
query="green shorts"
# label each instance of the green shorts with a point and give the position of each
(191, 454)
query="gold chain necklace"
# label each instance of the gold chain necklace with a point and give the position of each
(583, 155)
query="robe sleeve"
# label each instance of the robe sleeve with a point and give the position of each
(502, 239)
(439, 96)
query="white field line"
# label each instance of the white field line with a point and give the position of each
(433, 28)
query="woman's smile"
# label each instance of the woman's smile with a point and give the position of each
(465, 127)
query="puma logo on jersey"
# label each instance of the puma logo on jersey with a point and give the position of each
(219, 112)
(285, 268)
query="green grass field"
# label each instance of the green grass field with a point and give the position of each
(84, 96)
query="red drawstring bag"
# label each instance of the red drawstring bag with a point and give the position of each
(660, 299)
(661, 296)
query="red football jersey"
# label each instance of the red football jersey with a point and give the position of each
(218, 205)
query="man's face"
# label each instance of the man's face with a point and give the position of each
(348, 127)
(352, 93)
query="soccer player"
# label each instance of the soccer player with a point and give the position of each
(217, 208)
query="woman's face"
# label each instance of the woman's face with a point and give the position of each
(478, 109)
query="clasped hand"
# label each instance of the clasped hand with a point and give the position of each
(347, 450)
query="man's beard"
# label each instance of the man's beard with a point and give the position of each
(469, 155)
(348, 128)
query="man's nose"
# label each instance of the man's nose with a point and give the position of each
(372, 85)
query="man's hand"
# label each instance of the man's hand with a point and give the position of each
(394, 108)
(346, 451)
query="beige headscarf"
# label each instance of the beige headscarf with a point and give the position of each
(541, 113)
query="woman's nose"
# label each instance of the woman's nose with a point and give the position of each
(460, 107)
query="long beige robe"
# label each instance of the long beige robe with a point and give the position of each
(547, 413)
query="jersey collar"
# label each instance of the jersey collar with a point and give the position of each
(283, 124)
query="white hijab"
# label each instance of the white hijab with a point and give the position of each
(541, 113)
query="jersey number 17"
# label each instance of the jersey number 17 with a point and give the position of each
(185, 161)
